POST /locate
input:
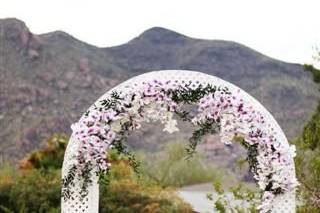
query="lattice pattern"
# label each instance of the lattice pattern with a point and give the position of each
(284, 203)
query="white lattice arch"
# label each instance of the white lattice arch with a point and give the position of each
(284, 203)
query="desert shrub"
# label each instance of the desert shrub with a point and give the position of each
(30, 191)
(50, 157)
(172, 168)
(127, 195)
(308, 166)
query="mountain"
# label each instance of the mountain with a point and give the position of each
(47, 81)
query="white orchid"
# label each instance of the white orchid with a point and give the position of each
(171, 126)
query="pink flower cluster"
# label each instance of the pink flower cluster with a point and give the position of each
(95, 132)
(95, 136)
(156, 91)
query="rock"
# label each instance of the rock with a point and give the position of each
(33, 54)
(62, 84)
(46, 76)
(56, 101)
(84, 65)
(14, 29)
(69, 75)
(35, 42)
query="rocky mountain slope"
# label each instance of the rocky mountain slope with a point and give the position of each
(47, 81)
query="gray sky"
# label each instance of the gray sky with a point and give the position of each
(283, 29)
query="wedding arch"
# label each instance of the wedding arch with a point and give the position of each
(164, 96)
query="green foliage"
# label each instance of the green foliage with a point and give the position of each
(219, 205)
(311, 132)
(237, 199)
(189, 95)
(36, 186)
(209, 127)
(50, 157)
(308, 173)
(252, 153)
(171, 168)
(110, 103)
(308, 158)
(128, 193)
(29, 191)
(315, 72)
(217, 187)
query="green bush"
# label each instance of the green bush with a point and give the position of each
(127, 195)
(30, 191)
(308, 159)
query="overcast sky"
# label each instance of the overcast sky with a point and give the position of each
(282, 29)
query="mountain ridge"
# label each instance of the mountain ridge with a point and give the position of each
(48, 80)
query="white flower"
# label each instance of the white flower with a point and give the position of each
(195, 120)
(104, 130)
(171, 126)
(227, 127)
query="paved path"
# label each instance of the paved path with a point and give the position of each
(196, 195)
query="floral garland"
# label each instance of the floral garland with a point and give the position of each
(108, 126)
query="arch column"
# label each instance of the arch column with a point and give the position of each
(77, 204)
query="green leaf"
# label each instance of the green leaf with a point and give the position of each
(219, 206)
